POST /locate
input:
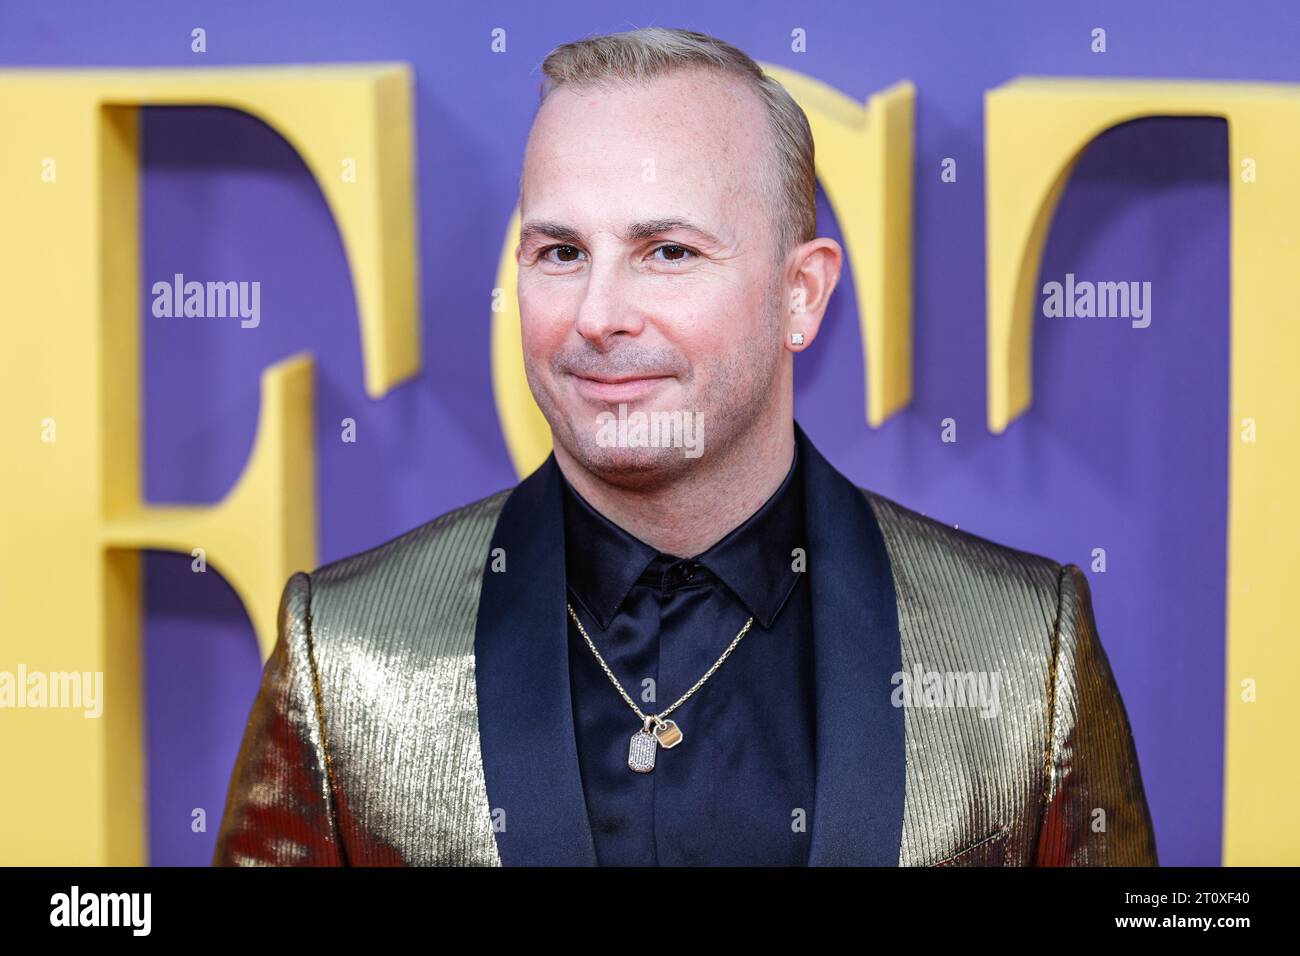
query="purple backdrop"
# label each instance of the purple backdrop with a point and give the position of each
(1124, 448)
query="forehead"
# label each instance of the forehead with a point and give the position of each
(689, 139)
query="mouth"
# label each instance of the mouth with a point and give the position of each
(620, 388)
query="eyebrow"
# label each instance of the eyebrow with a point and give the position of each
(635, 232)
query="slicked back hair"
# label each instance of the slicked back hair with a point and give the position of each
(638, 56)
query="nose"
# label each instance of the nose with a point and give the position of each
(608, 306)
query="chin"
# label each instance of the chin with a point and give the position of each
(629, 467)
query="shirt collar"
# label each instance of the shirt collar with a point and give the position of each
(756, 560)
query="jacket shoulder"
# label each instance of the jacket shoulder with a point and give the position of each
(381, 644)
(460, 524)
(932, 561)
(424, 581)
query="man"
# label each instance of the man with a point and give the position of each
(696, 642)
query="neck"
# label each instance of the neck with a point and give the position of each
(696, 509)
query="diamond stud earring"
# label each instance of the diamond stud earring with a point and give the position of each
(796, 338)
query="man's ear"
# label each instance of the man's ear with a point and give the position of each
(812, 272)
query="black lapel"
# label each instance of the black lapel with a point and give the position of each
(858, 811)
(525, 710)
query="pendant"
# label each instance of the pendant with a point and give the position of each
(668, 734)
(641, 751)
(644, 745)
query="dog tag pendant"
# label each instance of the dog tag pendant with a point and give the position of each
(641, 752)
(668, 734)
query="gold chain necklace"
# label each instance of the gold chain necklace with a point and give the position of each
(641, 750)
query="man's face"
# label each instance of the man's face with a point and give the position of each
(647, 267)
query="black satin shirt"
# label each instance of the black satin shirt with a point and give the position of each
(738, 789)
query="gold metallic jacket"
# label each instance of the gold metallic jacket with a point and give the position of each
(386, 730)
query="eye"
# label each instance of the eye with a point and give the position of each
(674, 252)
(567, 253)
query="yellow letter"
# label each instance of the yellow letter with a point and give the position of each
(1036, 130)
(72, 516)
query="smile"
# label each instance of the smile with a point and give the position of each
(617, 389)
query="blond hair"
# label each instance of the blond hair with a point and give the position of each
(638, 56)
